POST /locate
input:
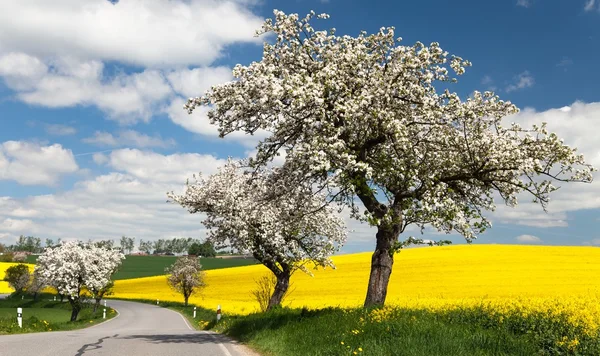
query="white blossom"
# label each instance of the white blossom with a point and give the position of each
(244, 211)
(72, 267)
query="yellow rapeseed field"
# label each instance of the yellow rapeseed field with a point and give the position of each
(422, 277)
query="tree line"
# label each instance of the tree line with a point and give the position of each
(197, 247)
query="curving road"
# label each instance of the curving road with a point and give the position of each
(139, 329)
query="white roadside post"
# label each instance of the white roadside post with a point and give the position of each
(55, 298)
(105, 303)
(218, 312)
(157, 302)
(194, 312)
(20, 317)
(104, 314)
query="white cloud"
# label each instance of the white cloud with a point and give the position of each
(572, 123)
(66, 67)
(60, 130)
(131, 200)
(524, 3)
(128, 138)
(70, 82)
(589, 5)
(194, 82)
(31, 164)
(100, 158)
(521, 81)
(198, 123)
(528, 239)
(153, 167)
(148, 33)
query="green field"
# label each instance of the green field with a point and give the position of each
(146, 266)
(50, 315)
(45, 314)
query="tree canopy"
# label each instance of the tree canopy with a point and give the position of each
(362, 119)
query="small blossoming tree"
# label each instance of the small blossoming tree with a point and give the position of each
(18, 277)
(186, 276)
(284, 233)
(73, 267)
(361, 118)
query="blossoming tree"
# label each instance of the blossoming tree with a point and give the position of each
(284, 234)
(73, 267)
(361, 116)
(186, 276)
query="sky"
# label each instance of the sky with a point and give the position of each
(93, 133)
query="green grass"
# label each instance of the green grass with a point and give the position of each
(44, 314)
(147, 266)
(50, 315)
(295, 332)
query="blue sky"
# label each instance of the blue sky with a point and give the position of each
(93, 134)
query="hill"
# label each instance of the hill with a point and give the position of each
(420, 276)
(146, 266)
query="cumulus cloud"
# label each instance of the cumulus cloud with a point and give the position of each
(198, 122)
(528, 239)
(158, 39)
(572, 123)
(194, 82)
(148, 33)
(524, 3)
(31, 164)
(521, 81)
(153, 167)
(130, 200)
(128, 138)
(67, 81)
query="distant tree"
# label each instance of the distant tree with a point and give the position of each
(29, 244)
(18, 277)
(159, 246)
(204, 249)
(107, 244)
(186, 276)
(146, 246)
(2, 248)
(127, 244)
(49, 243)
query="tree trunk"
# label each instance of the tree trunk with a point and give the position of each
(76, 307)
(281, 287)
(381, 265)
(62, 297)
(186, 297)
(97, 304)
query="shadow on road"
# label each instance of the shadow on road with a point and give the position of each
(178, 338)
(96, 345)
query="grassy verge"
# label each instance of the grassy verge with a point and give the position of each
(335, 331)
(44, 314)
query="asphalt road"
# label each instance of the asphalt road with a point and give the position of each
(139, 329)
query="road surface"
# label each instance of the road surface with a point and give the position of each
(139, 329)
